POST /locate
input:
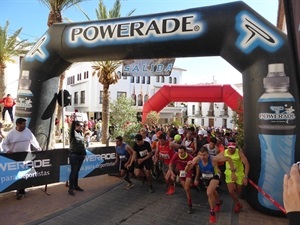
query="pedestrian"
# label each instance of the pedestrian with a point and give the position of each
(177, 167)
(20, 139)
(291, 194)
(241, 170)
(76, 155)
(8, 103)
(125, 155)
(143, 160)
(207, 165)
(99, 130)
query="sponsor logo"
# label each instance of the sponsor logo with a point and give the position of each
(39, 51)
(253, 34)
(281, 113)
(22, 165)
(164, 26)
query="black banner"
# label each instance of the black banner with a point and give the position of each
(22, 170)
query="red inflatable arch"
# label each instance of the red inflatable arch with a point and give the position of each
(192, 93)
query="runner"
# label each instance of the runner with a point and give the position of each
(165, 151)
(241, 166)
(143, 160)
(179, 161)
(210, 175)
(125, 155)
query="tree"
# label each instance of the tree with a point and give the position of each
(10, 46)
(123, 116)
(238, 119)
(105, 70)
(56, 7)
(152, 118)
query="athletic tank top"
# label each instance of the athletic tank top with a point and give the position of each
(208, 170)
(165, 152)
(123, 154)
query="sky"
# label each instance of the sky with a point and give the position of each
(31, 16)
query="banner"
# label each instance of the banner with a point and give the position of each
(27, 169)
(148, 67)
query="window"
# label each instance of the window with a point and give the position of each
(137, 80)
(193, 109)
(133, 96)
(174, 80)
(78, 76)
(132, 79)
(82, 97)
(86, 75)
(146, 97)
(140, 100)
(101, 97)
(143, 79)
(75, 97)
(157, 78)
(148, 80)
(170, 80)
(121, 93)
(162, 79)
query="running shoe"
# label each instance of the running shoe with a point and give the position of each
(218, 206)
(237, 207)
(129, 186)
(212, 217)
(150, 190)
(171, 190)
(190, 209)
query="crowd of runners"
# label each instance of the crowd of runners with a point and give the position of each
(189, 156)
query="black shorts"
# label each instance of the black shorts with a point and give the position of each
(207, 181)
(122, 167)
(147, 164)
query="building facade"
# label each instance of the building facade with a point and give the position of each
(87, 96)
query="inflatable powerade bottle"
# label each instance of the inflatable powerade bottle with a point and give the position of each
(276, 124)
(24, 98)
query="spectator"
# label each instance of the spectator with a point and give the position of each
(76, 155)
(20, 139)
(9, 103)
(291, 194)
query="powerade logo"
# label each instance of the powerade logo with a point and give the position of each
(253, 34)
(21, 165)
(123, 31)
(39, 51)
(281, 113)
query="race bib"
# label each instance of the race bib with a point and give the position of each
(207, 175)
(164, 156)
(182, 173)
(143, 153)
(123, 157)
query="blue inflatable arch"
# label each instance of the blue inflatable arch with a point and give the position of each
(233, 31)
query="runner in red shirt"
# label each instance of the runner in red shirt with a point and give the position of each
(165, 151)
(178, 166)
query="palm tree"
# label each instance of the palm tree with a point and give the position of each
(10, 46)
(56, 7)
(105, 70)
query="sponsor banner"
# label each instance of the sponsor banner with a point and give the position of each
(22, 170)
(148, 67)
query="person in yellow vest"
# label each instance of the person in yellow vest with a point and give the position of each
(8, 103)
(241, 170)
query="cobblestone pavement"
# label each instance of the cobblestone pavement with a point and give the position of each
(106, 202)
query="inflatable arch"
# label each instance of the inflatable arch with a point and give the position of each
(192, 93)
(233, 31)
